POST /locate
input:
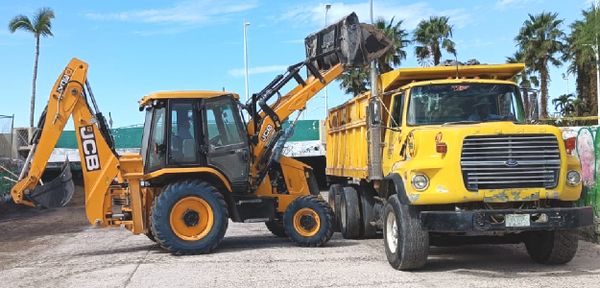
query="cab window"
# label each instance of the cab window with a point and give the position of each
(396, 119)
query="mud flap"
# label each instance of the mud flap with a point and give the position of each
(56, 193)
(351, 43)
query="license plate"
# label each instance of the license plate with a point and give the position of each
(517, 220)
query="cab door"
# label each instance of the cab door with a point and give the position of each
(225, 141)
(393, 136)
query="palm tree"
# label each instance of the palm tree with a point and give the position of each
(398, 38)
(563, 104)
(40, 26)
(582, 57)
(356, 81)
(431, 37)
(525, 79)
(540, 39)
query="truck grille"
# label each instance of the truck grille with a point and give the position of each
(510, 161)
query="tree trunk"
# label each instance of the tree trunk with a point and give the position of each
(35, 68)
(435, 50)
(544, 91)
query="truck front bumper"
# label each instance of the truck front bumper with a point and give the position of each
(496, 220)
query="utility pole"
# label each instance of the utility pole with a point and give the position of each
(246, 24)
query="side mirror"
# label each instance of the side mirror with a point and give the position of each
(374, 113)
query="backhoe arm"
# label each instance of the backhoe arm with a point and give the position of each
(341, 46)
(98, 159)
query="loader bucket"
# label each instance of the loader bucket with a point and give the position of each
(56, 193)
(349, 42)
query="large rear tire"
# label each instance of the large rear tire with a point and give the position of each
(308, 221)
(189, 217)
(276, 227)
(333, 198)
(406, 243)
(350, 221)
(367, 203)
(552, 247)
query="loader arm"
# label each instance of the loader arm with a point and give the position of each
(341, 46)
(99, 161)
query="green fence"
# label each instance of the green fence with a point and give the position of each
(131, 137)
(588, 150)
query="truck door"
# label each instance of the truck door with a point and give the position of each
(392, 136)
(226, 142)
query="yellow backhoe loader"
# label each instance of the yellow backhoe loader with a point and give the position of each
(200, 164)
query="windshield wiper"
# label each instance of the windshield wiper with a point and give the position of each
(461, 122)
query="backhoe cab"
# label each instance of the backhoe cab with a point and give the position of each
(200, 163)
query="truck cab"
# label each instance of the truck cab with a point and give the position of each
(459, 162)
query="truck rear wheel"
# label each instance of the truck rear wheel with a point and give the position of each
(189, 217)
(276, 227)
(333, 198)
(350, 222)
(367, 203)
(552, 247)
(308, 221)
(406, 243)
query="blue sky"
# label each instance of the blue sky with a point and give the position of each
(138, 47)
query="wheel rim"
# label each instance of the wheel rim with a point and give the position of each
(307, 222)
(391, 232)
(191, 218)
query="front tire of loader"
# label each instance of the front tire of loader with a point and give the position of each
(189, 217)
(406, 243)
(552, 247)
(308, 221)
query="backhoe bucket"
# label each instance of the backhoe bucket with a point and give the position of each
(56, 193)
(351, 43)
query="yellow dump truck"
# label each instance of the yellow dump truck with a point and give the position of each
(444, 156)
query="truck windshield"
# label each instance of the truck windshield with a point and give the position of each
(464, 103)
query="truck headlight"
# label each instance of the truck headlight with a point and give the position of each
(420, 182)
(573, 178)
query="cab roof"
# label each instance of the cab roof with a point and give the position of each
(400, 77)
(198, 94)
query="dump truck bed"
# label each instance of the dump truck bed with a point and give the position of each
(347, 148)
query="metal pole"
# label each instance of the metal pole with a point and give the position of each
(246, 24)
(327, 7)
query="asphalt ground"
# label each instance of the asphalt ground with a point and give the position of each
(58, 248)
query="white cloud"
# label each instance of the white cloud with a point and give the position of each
(184, 12)
(507, 4)
(239, 72)
(412, 14)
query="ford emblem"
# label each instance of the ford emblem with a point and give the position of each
(511, 163)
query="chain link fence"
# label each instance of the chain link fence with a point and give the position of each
(8, 166)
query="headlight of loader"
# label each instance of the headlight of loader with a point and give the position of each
(573, 178)
(420, 182)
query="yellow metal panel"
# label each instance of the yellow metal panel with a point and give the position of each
(185, 95)
(403, 76)
(209, 170)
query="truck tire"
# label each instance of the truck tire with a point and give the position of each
(308, 221)
(189, 217)
(367, 204)
(276, 227)
(350, 221)
(552, 247)
(313, 185)
(406, 243)
(333, 198)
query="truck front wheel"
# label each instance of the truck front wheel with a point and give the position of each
(406, 243)
(552, 247)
